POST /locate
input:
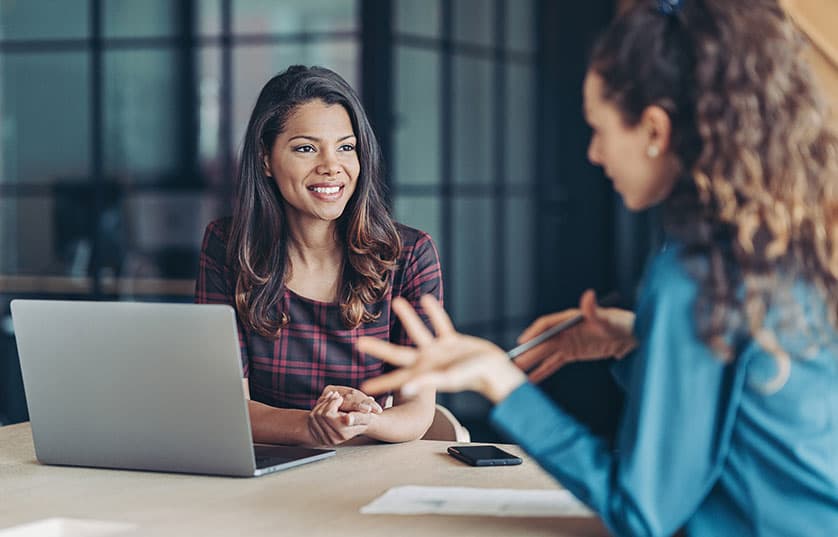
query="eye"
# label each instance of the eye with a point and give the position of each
(346, 147)
(304, 149)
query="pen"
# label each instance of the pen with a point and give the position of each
(609, 300)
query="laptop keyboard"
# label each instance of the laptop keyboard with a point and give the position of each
(265, 461)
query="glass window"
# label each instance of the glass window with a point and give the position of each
(149, 18)
(28, 237)
(208, 15)
(474, 261)
(520, 25)
(44, 117)
(473, 120)
(53, 235)
(209, 116)
(417, 17)
(518, 267)
(254, 65)
(25, 19)
(293, 16)
(420, 212)
(160, 220)
(141, 114)
(163, 232)
(520, 124)
(473, 21)
(416, 131)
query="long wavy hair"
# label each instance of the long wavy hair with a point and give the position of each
(258, 246)
(757, 205)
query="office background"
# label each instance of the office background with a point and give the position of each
(121, 120)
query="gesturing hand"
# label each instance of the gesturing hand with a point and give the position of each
(605, 332)
(448, 362)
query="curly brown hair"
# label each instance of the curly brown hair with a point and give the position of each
(259, 235)
(757, 206)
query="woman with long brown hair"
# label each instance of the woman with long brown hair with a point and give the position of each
(731, 362)
(311, 260)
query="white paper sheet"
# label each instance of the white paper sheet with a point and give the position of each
(67, 527)
(416, 500)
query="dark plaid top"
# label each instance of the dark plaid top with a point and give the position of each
(316, 349)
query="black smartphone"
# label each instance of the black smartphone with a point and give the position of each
(483, 455)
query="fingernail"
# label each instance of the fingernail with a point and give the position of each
(365, 407)
(351, 420)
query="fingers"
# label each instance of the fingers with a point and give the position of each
(388, 352)
(533, 357)
(588, 305)
(543, 323)
(357, 401)
(389, 382)
(329, 426)
(436, 314)
(353, 399)
(546, 368)
(357, 419)
(411, 322)
(316, 423)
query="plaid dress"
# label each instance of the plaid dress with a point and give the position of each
(316, 349)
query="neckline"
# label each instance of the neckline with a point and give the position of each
(310, 300)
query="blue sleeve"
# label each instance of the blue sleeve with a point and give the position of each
(674, 431)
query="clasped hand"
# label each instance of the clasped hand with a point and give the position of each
(341, 413)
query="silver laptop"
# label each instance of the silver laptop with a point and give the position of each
(140, 386)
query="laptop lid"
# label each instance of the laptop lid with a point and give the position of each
(143, 386)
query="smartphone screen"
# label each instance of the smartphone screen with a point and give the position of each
(483, 455)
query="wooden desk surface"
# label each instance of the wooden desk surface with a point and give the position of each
(322, 498)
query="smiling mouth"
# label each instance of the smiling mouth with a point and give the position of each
(327, 190)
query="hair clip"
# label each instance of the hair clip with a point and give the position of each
(670, 8)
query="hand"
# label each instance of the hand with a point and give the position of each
(448, 362)
(354, 400)
(328, 425)
(605, 332)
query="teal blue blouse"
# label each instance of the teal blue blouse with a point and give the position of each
(701, 444)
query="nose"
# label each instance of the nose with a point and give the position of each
(328, 165)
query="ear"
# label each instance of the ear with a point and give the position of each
(266, 165)
(655, 120)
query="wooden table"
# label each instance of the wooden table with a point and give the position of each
(322, 498)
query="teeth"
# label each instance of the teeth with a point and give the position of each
(326, 190)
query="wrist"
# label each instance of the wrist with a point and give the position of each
(501, 380)
(374, 426)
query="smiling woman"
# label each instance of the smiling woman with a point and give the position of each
(316, 175)
(311, 261)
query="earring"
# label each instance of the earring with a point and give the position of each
(652, 151)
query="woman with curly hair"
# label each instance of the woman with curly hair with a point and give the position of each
(731, 362)
(311, 261)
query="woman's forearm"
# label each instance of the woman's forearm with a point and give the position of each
(406, 421)
(271, 425)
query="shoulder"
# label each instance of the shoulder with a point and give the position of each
(411, 236)
(219, 229)
(216, 237)
(217, 232)
(671, 271)
(669, 288)
(415, 244)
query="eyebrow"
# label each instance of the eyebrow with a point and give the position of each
(316, 139)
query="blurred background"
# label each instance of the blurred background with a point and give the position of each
(121, 122)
